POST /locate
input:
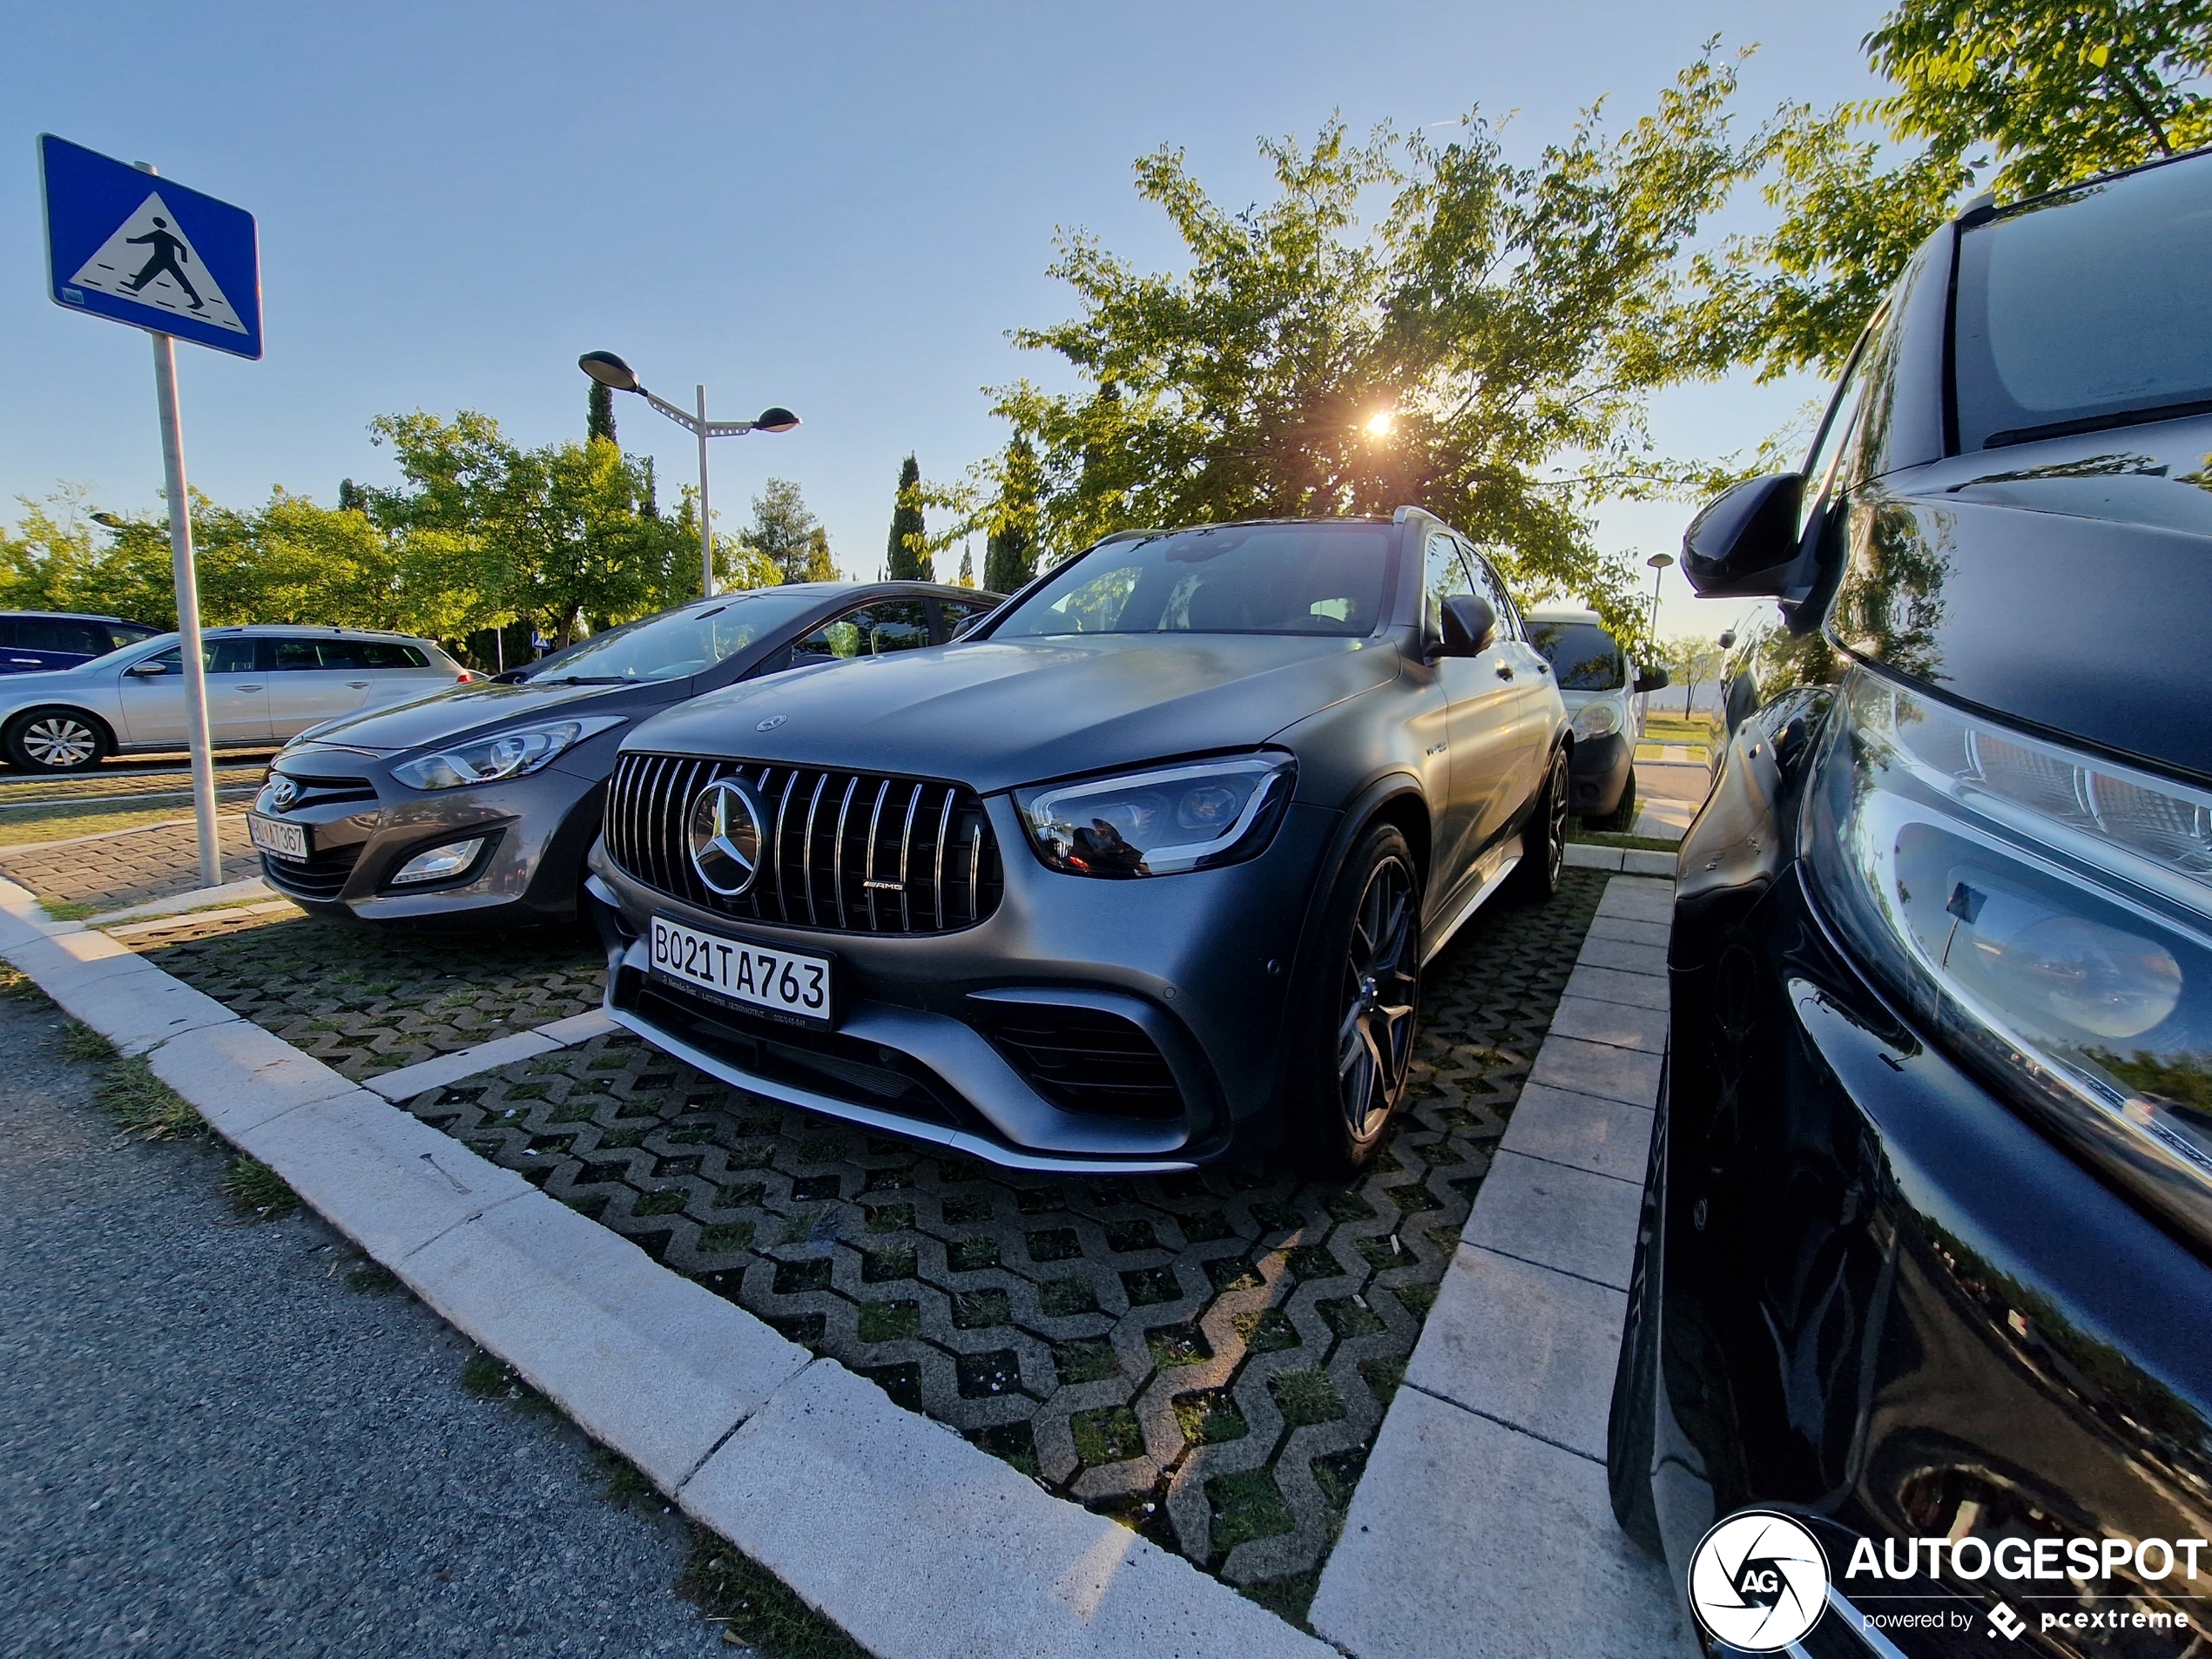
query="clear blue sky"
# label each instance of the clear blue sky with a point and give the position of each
(839, 207)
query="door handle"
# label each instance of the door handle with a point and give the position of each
(1504, 671)
(357, 685)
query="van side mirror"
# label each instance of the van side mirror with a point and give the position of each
(1654, 679)
(1744, 543)
(1470, 626)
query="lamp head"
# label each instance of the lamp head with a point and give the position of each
(1659, 561)
(775, 419)
(608, 370)
(109, 520)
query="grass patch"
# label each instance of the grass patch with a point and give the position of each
(1246, 1506)
(80, 1042)
(489, 1378)
(1288, 1599)
(147, 1108)
(1306, 1397)
(30, 826)
(627, 1485)
(257, 1191)
(373, 1277)
(16, 983)
(69, 910)
(732, 1590)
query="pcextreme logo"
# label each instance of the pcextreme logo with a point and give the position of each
(1758, 1582)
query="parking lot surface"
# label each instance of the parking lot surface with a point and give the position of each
(213, 1442)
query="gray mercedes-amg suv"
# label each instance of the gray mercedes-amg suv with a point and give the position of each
(1143, 871)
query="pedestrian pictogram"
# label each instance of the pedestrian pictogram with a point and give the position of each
(149, 260)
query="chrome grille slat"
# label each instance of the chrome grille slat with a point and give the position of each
(942, 832)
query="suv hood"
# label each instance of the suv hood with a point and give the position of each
(993, 715)
(467, 711)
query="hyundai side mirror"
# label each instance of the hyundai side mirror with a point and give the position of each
(1470, 625)
(1653, 679)
(1744, 543)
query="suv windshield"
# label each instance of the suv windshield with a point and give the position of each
(679, 644)
(1584, 658)
(1235, 579)
(2089, 309)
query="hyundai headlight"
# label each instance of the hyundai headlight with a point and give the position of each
(514, 753)
(2047, 915)
(1162, 821)
(1596, 720)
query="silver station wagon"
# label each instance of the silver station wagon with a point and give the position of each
(264, 685)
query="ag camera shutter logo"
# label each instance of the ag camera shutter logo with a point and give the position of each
(1758, 1582)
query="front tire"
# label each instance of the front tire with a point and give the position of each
(1543, 839)
(1621, 820)
(55, 740)
(1357, 1007)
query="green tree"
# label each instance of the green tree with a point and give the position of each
(599, 414)
(1485, 353)
(1010, 547)
(787, 537)
(2022, 95)
(909, 558)
(1691, 660)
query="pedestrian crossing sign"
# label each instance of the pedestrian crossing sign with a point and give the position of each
(126, 245)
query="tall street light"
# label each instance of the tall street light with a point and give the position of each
(610, 371)
(1658, 561)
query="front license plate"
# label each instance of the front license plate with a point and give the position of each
(782, 981)
(286, 840)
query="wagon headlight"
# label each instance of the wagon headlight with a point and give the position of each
(2047, 914)
(513, 754)
(1160, 821)
(1598, 720)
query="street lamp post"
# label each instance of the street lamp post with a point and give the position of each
(1658, 561)
(610, 371)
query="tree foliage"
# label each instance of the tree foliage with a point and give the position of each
(1483, 351)
(1010, 523)
(2020, 96)
(909, 557)
(788, 540)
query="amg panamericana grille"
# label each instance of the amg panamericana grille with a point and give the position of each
(856, 852)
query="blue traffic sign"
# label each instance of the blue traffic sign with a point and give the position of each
(138, 248)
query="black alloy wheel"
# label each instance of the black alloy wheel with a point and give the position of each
(1361, 1008)
(55, 740)
(1543, 840)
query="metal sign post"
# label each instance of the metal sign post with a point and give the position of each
(180, 266)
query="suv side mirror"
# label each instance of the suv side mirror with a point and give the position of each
(1653, 679)
(1743, 544)
(1728, 639)
(1470, 625)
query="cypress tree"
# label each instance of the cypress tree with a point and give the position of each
(906, 563)
(1010, 555)
(352, 498)
(599, 415)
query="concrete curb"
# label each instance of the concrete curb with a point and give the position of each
(919, 1544)
(410, 1081)
(1481, 1526)
(1630, 860)
(228, 895)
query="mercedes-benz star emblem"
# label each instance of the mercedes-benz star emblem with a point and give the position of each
(282, 791)
(725, 836)
(771, 723)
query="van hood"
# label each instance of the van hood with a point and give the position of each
(479, 710)
(996, 714)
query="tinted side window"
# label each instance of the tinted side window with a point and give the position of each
(1488, 584)
(315, 653)
(1583, 656)
(216, 656)
(376, 653)
(1840, 427)
(870, 631)
(57, 633)
(1444, 573)
(958, 613)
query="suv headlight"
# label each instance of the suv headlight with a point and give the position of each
(1596, 720)
(1159, 822)
(514, 753)
(2046, 914)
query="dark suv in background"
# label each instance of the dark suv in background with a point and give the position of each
(34, 640)
(1928, 1253)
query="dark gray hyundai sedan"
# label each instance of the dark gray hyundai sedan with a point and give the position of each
(477, 806)
(1141, 873)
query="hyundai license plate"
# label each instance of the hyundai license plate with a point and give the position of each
(271, 835)
(787, 982)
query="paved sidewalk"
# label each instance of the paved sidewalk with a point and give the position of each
(1483, 1527)
(210, 1444)
(126, 866)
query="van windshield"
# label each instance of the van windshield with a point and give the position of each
(1233, 579)
(1584, 658)
(2089, 309)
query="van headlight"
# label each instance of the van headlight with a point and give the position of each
(1160, 821)
(2046, 914)
(513, 754)
(1596, 720)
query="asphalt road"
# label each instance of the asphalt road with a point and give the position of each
(210, 1444)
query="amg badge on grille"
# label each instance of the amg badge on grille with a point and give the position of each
(725, 833)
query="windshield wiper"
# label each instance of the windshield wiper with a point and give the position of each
(580, 679)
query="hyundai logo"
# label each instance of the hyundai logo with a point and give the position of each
(771, 723)
(282, 791)
(725, 830)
